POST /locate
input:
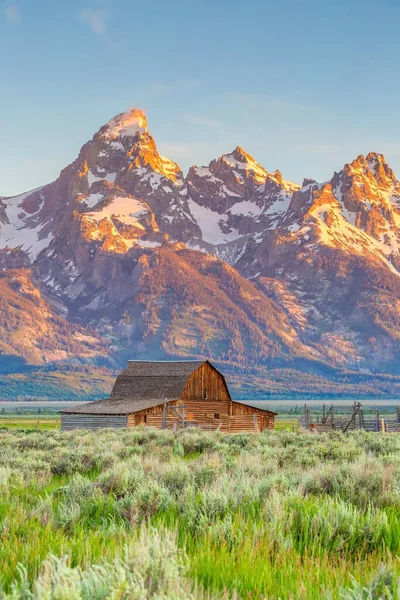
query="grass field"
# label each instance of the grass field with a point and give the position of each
(174, 515)
(30, 422)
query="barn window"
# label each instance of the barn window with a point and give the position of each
(216, 415)
(145, 418)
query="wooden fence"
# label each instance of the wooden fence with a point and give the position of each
(354, 419)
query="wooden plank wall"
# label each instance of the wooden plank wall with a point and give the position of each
(207, 413)
(242, 423)
(205, 382)
(207, 403)
(204, 414)
(265, 419)
(77, 421)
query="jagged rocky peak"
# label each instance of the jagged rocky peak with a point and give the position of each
(307, 181)
(372, 165)
(234, 169)
(368, 170)
(277, 175)
(239, 167)
(126, 124)
(245, 163)
(233, 178)
(366, 185)
(119, 196)
(124, 152)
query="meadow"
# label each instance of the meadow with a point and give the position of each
(137, 514)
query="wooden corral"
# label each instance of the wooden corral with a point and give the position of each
(354, 419)
(170, 395)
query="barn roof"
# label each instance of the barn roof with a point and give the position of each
(112, 407)
(143, 384)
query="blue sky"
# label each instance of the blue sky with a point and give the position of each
(302, 86)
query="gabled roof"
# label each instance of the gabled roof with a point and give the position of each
(143, 384)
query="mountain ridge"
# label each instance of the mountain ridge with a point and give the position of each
(230, 261)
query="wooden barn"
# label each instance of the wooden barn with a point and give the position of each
(168, 395)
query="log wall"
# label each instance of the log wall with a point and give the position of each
(70, 421)
(265, 419)
(225, 415)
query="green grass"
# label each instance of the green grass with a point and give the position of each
(286, 424)
(193, 514)
(33, 423)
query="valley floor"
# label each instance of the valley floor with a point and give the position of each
(174, 515)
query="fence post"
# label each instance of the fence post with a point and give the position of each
(255, 422)
(383, 428)
(376, 419)
(307, 416)
(361, 416)
(164, 416)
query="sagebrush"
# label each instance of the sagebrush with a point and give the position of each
(191, 514)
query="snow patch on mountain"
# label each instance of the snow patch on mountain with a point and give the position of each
(126, 210)
(246, 208)
(92, 178)
(335, 230)
(92, 200)
(210, 224)
(19, 229)
(279, 206)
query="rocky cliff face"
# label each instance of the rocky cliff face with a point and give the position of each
(231, 261)
(233, 199)
(336, 251)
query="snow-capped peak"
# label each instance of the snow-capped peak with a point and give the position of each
(126, 124)
(373, 165)
(373, 160)
(239, 159)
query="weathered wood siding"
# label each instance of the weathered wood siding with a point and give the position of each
(152, 417)
(226, 415)
(205, 383)
(70, 421)
(207, 413)
(239, 423)
(265, 419)
(206, 402)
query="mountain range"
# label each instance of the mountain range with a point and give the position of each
(122, 256)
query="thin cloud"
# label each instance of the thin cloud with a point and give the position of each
(202, 121)
(12, 12)
(96, 19)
